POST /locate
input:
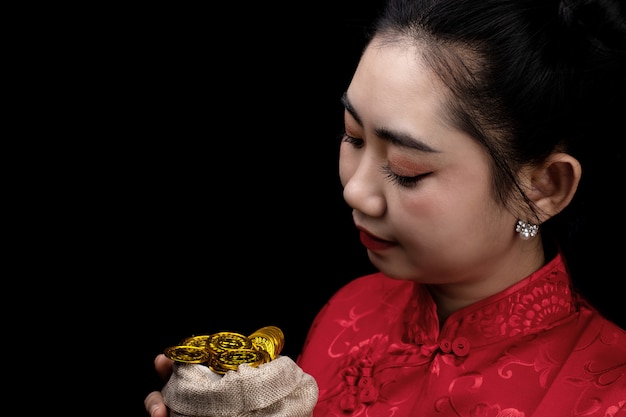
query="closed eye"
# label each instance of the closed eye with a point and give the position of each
(356, 142)
(406, 182)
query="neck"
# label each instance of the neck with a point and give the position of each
(451, 297)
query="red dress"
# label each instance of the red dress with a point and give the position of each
(533, 350)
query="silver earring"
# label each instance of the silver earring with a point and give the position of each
(526, 230)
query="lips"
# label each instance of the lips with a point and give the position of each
(373, 243)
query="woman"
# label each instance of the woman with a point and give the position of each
(468, 153)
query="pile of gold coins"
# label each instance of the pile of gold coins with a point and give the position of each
(225, 351)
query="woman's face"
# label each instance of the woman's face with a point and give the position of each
(420, 189)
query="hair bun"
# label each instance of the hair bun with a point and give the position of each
(597, 23)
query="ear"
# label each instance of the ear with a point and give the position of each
(553, 184)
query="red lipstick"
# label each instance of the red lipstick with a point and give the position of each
(373, 243)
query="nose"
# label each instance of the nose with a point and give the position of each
(362, 187)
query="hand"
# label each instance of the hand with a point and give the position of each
(155, 406)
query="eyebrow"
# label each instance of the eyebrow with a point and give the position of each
(396, 138)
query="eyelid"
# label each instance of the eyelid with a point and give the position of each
(404, 181)
(354, 141)
(400, 180)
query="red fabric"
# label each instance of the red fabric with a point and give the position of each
(534, 350)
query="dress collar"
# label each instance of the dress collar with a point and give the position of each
(536, 303)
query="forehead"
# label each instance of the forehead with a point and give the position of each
(393, 82)
(395, 89)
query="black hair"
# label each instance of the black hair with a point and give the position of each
(528, 78)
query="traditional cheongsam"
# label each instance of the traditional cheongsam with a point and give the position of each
(533, 350)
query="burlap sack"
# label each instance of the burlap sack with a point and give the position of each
(278, 389)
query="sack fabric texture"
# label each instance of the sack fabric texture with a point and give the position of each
(279, 388)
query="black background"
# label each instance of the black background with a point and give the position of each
(218, 204)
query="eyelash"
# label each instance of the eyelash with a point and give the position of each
(402, 181)
(356, 142)
(406, 182)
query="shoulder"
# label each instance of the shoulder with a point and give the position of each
(366, 306)
(367, 295)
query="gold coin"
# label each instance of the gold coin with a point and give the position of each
(270, 339)
(229, 360)
(199, 340)
(217, 367)
(187, 354)
(225, 351)
(222, 341)
(236, 357)
(221, 368)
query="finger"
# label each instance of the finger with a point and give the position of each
(154, 405)
(163, 366)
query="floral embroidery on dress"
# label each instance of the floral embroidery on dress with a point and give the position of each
(541, 306)
(517, 312)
